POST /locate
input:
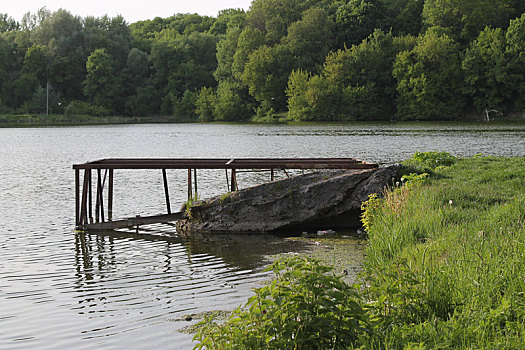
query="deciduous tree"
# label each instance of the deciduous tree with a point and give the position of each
(485, 66)
(429, 79)
(101, 82)
(310, 39)
(515, 38)
(266, 75)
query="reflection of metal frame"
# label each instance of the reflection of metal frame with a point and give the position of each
(83, 198)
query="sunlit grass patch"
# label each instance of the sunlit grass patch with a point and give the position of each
(460, 237)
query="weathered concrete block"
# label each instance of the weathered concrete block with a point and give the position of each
(328, 199)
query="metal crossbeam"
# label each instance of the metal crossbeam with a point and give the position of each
(226, 163)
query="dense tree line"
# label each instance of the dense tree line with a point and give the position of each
(327, 60)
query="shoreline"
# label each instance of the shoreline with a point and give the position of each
(442, 267)
(58, 120)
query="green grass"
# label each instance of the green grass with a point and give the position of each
(34, 120)
(446, 258)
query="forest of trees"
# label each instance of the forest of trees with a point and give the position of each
(328, 60)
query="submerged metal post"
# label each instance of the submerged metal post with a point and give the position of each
(102, 196)
(90, 198)
(99, 211)
(83, 210)
(233, 181)
(195, 180)
(166, 191)
(110, 195)
(97, 198)
(189, 185)
(77, 196)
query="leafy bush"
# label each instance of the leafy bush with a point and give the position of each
(413, 179)
(427, 162)
(305, 307)
(369, 209)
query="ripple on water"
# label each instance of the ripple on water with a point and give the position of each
(60, 289)
(116, 286)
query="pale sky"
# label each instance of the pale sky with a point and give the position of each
(132, 11)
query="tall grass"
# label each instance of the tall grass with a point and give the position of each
(445, 261)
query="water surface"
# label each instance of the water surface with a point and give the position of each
(59, 288)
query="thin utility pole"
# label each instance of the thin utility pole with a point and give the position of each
(47, 98)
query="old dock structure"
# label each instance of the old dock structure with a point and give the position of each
(105, 171)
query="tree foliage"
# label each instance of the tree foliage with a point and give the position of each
(314, 98)
(7, 23)
(266, 75)
(515, 51)
(101, 82)
(353, 84)
(466, 18)
(351, 60)
(356, 19)
(402, 17)
(485, 67)
(310, 39)
(429, 79)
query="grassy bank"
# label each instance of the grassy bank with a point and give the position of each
(445, 268)
(36, 120)
(446, 258)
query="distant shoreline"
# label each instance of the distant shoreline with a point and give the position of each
(41, 120)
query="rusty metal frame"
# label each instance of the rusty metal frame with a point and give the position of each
(83, 197)
(236, 163)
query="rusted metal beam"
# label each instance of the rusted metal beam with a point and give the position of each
(238, 163)
(83, 205)
(195, 180)
(132, 222)
(97, 198)
(99, 207)
(166, 191)
(90, 195)
(102, 196)
(233, 181)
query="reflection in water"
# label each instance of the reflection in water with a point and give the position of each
(155, 275)
(60, 289)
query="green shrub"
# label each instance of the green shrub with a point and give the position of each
(305, 307)
(413, 179)
(369, 209)
(427, 162)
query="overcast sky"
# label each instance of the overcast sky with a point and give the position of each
(132, 11)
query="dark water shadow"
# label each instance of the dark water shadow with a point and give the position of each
(242, 251)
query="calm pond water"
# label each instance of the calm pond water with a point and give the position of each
(59, 288)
